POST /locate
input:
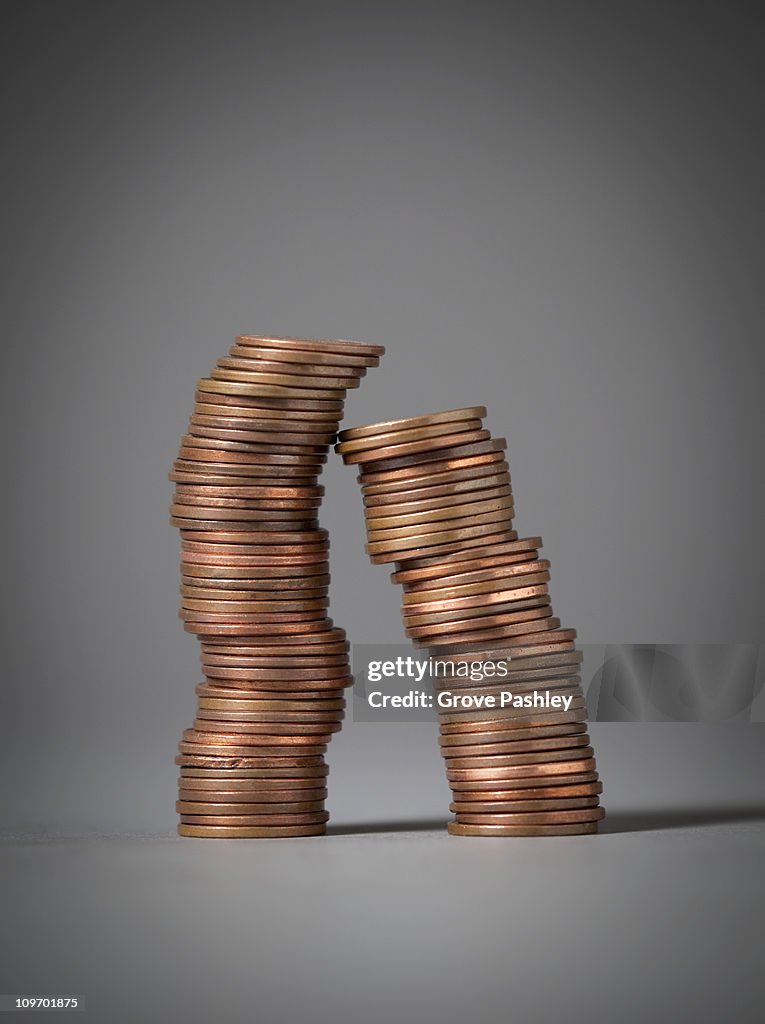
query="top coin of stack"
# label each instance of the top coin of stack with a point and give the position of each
(438, 502)
(254, 586)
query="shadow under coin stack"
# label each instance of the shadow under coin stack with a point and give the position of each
(254, 584)
(438, 503)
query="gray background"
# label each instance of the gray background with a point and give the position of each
(553, 209)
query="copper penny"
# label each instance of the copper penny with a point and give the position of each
(225, 737)
(496, 719)
(291, 731)
(499, 734)
(224, 692)
(219, 498)
(262, 751)
(310, 588)
(507, 591)
(413, 422)
(248, 717)
(525, 782)
(572, 762)
(264, 766)
(548, 792)
(336, 361)
(432, 432)
(322, 707)
(338, 346)
(232, 832)
(582, 828)
(285, 384)
(473, 582)
(508, 760)
(437, 460)
(517, 806)
(194, 566)
(428, 520)
(405, 480)
(409, 538)
(462, 487)
(268, 788)
(534, 818)
(303, 431)
(392, 454)
(210, 818)
(250, 803)
(279, 447)
(431, 568)
(280, 676)
(505, 635)
(305, 399)
(266, 408)
(433, 628)
(188, 471)
(291, 542)
(292, 685)
(505, 627)
(405, 508)
(489, 754)
(258, 362)
(291, 362)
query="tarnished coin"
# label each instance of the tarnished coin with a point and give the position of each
(522, 782)
(393, 453)
(220, 690)
(403, 541)
(277, 777)
(265, 408)
(433, 567)
(194, 471)
(432, 460)
(312, 373)
(490, 764)
(259, 752)
(484, 581)
(227, 445)
(581, 828)
(510, 725)
(553, 636)
(413, 422)
(474, 755)
(204, 802)
(568, 766)
(249, 762)
(242, 832)
(312, 817)
(448, 501)
(237, 718)
(508, 592)
(496, 719)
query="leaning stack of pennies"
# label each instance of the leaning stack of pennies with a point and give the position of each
(254, 585)
(438, 503)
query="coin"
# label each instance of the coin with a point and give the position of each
(357, 364)
(319, 345)
(553, 636)
(553, 791)
(471, 468)
(508, 591)
(469, 755)
(305, 399)
(268, 788)
(302, 364)
(512, 726)
(491, 533)
(524, 782)
(322, 707)
(278, 718)
(467, 559)
(483, 581)
(489, 764)
(433, 432)
(240, 432)
(226, 445)
(294, 768)
(497, 719)
(259, 753)
(429, 519)
(581, 828)
(266, 408)
(414, 538)
(308, 387)
(206, 758)
(446, 501)
(239, 832)
(437, 460)
(287, 802)
(462, 808)
(312, 817)
(193, 471)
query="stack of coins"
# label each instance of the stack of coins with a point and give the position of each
(254, 585)
(438, 502)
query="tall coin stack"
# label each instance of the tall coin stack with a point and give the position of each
(254, 584)
(438, 502)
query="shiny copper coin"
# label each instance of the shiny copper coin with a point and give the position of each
(240, 630)
(252, 575)
(451, 625)
(321, 707)
(279, 718)
(279, 447)
(512, 740)
(282, 442)
(398, 437)
(310, 818)
(431, 568)
(304, 664)
(232, 832)
(291, 430)
(448, 457)
(579, 829)
(286, 802)
(224, 692)
(467, 807)
(505, 626)
(197, 472)
(398, 441)
(394, 453)
(508, 590)
(297, 398)
(319, 732)
(261, 362)
(489, 754)
(308, 387)
(224, 738)
(320, 345)
(295, 686)
(218, 498)
(553, 791)
(245, 605)
(525, 757)
(266, 408)
(264, 766)
(292, 542)
(279, 645)
(412, 422)
(349, 362)
(534, 818)
(197, 780)
(405, 481)
(255, 589)
(459, 790)
(251, 527)
(507, 635)
(254, 677)
(262, 751)
(219, 458)
(548, 762)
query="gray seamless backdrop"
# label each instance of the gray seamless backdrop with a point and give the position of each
(552, 209)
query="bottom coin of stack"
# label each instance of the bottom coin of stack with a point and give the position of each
(438, 503)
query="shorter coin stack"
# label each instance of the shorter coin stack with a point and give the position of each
(254, 586)
(438, 502)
